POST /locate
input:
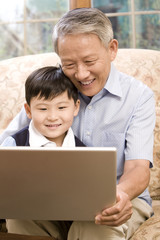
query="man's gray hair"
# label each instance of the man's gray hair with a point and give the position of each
(83, 20)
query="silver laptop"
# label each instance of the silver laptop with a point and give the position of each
(56, 184)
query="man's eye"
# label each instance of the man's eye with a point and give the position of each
(43, 109)
(71, 65)
(90, 62)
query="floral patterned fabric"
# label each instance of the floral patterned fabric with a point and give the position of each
(13, 73)
(140, 63)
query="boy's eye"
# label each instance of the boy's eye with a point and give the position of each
(63, 107)
(43, 109)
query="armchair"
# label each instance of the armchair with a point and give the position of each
(140, 63)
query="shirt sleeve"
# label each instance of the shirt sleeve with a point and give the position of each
(9, 142)
(20, 121)
(140, 133)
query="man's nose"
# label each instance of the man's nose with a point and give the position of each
(82, 72)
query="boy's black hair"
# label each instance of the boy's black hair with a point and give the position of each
(49, 82)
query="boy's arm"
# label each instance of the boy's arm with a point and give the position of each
(19, 122)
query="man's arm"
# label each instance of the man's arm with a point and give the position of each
(136, 175)
(19, 122)
(9, 142)
(134, 181)
(135, 178)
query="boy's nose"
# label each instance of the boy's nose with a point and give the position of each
(52, 116)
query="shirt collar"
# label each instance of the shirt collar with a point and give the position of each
(113, 84)
(36, 139)
(69, 140)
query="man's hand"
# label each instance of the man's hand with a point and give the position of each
(117, 214)
(133, 182)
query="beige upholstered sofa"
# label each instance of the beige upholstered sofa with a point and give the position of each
(140, 63)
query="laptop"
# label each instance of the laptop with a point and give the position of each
(56, 184)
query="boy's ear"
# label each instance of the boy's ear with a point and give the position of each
(77, 106)
(28, 110)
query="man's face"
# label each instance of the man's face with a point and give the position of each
(86, 61)
(53, 118)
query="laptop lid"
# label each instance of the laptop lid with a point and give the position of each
(56, 184)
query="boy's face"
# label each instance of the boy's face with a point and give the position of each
(53, 118)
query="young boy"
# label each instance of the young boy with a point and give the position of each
(52, 103)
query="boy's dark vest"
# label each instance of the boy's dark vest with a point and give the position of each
(22, 138)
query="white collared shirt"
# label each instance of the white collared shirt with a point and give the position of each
(36, 139)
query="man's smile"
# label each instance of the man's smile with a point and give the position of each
(86, 83)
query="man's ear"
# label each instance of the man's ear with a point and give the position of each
(113, 48)
(28, 110)
(77, 106)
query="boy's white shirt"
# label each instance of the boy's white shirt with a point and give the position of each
(36, 139)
